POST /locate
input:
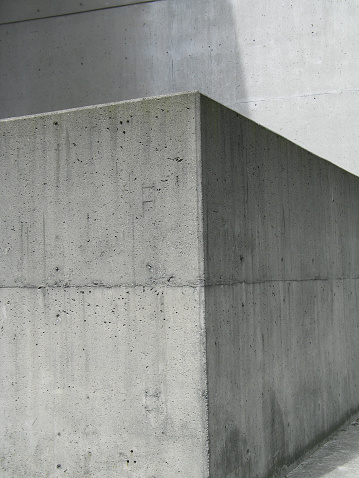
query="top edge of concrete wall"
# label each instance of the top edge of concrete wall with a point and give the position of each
(151, 98)
(22, 10)
(123, 159)
(101, 105)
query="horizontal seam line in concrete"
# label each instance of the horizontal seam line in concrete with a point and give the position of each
(306, 95)
(101, 286)
(323, 279)
(163, 284)
(139, 2)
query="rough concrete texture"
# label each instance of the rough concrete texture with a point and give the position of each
(175, 280)
(286, 65)
(102, 332)
(96, 197)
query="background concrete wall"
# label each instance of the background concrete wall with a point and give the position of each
(290, 66)
(282, 295)
(101, 304)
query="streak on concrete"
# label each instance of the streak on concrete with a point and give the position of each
(22, 10)
(178, 281)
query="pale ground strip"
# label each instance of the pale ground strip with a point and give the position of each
(338, 458)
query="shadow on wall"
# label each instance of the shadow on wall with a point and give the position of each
(121, 53)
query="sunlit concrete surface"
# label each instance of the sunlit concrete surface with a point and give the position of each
(338, 458)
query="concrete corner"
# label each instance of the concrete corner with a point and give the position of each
(178, 294)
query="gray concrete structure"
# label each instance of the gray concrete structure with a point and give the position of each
(179, 294)
(102, 344)
(287, 65)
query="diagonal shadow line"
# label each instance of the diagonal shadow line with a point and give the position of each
(76, 12)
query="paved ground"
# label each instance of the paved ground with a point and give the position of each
(338, 458)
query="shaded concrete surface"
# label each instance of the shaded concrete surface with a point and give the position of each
(281, 299)
(338, 458)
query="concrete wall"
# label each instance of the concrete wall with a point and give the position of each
(282, 295)
(171, 272)
(287, 65)
(101, 305)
